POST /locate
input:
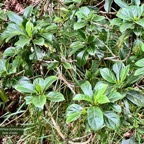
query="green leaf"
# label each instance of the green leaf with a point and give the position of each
(125, 26)
(82, 58)
(117, 69)
(140, 63)
(3, 96)
(40, 82)
(47, 36)
(115, 97)
(49, 80)
(55, 96)
(137, 2)
(117, 108)
(101, 99)
(29, 28)
(73, 112)
(97, 18)
(87, 89)
(83, 12)
(39, 41)
(13, 17)
(132, 79)
(121, 3)
(95, 118)
(124, 14)
(11, 31)
(99, 96)
(139, 71)
(25, 87)
(76, 46)
(23, 40)
(135, 97)
(3, 67)
(108, 75)
(79, 25)
(116, 21)
(140, 22)
(111, 120)
(28, 11)
(83, 97)
(53, 65)
(67, 65)
(11, 51)
(28, 99)
(39, 101)
(107, 5)
(124, 73)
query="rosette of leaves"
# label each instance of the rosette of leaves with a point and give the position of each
(36, 93)
(97, 115)
(27, 31)
(86, 43)
(120, 79)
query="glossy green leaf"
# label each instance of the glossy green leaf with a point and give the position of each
(111, 120)
(100, 88)
(87, 89)
(116, 21)
(95, 118)
(132, 79)
(124, 14)
(79, 25)
(108, 75)
(11, 31)
(3, 95)
(117, 69)
(107, 5)
(135, 97)
(139, 71)
(140, 63)
(3, 67)
(140, 22)
(28, 99)
(115, 97)
(39, 82)
(39, 41)
(117, 108)
(15, 18)
(67, 65)
(55, 96)
(125, 26)
(76, 46)
(101, 99)
(49, 81)
(137, 2)
(23, 40)
(82, 58)
(53, 65)
(83, 97)
(97, 18)
(73, 112)
(121, 3)
(11, 51)
(28, 11)
(25, 87)
(124, 72)
(29, 28)
(39, 101)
